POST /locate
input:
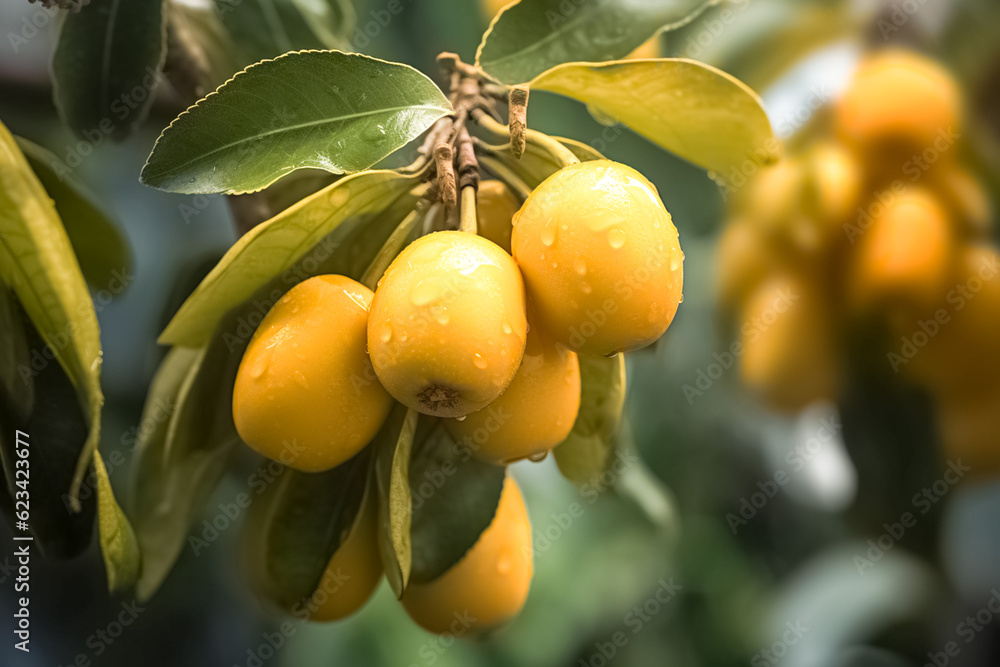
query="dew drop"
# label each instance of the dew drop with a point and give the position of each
(586, 288)
(440, 313)
(507, 329)
(548, 235)
(616, 238)
(540, 456)
(675, 263)
(301, 380)
(261, 364)
(385, 334)
(461, 419)
(503, 564)
(425, 291)
(580, 266)
(478, 360)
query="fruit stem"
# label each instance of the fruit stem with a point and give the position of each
(562, 154)
(468, 222)
(517, 119)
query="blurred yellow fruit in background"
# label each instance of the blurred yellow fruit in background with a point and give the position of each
(836, 180)
(906, 255)
(743, 259)
(305, 378)
(447, 325)
(773, 198)
(900, 102)
(600, 256)
(789, 357)
(489, 586)
(536, 412)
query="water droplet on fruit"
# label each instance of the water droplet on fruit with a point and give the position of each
(548, 235)
(616, 238)
(440, 313)
(540, 456)
(506, 327)
(260, 364)
(425, 291)
(586, 288)
(385, 334)
(503, 564)
(675, 263)
(461, 419)
(301, 380)
(580, 266)
(478, 360)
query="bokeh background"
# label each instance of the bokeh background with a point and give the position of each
(782, 586)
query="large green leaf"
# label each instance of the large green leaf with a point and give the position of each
(106, 66)
(393, 448)
(527, 38)
(298, 523)
(454, 499)
(590, 447)
(38, 264)
(272, 248)
(341, 112)
(268, 28)
(100, 248)
(695, 111)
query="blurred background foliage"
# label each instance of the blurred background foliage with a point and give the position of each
(783, 586)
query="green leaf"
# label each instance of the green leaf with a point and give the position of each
(393, 447)
(268, 28)
(690, 109)
(184, 455)
(118, 541)
(106, 66)
(298, 523)
(590, 447)
(57, 430)
(272, 248)
(100, 248)
(341, 112)
(38, 264)
(455, 498)
(527, 38)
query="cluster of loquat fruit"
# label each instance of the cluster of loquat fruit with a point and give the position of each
(874, 225)
(463, 326)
